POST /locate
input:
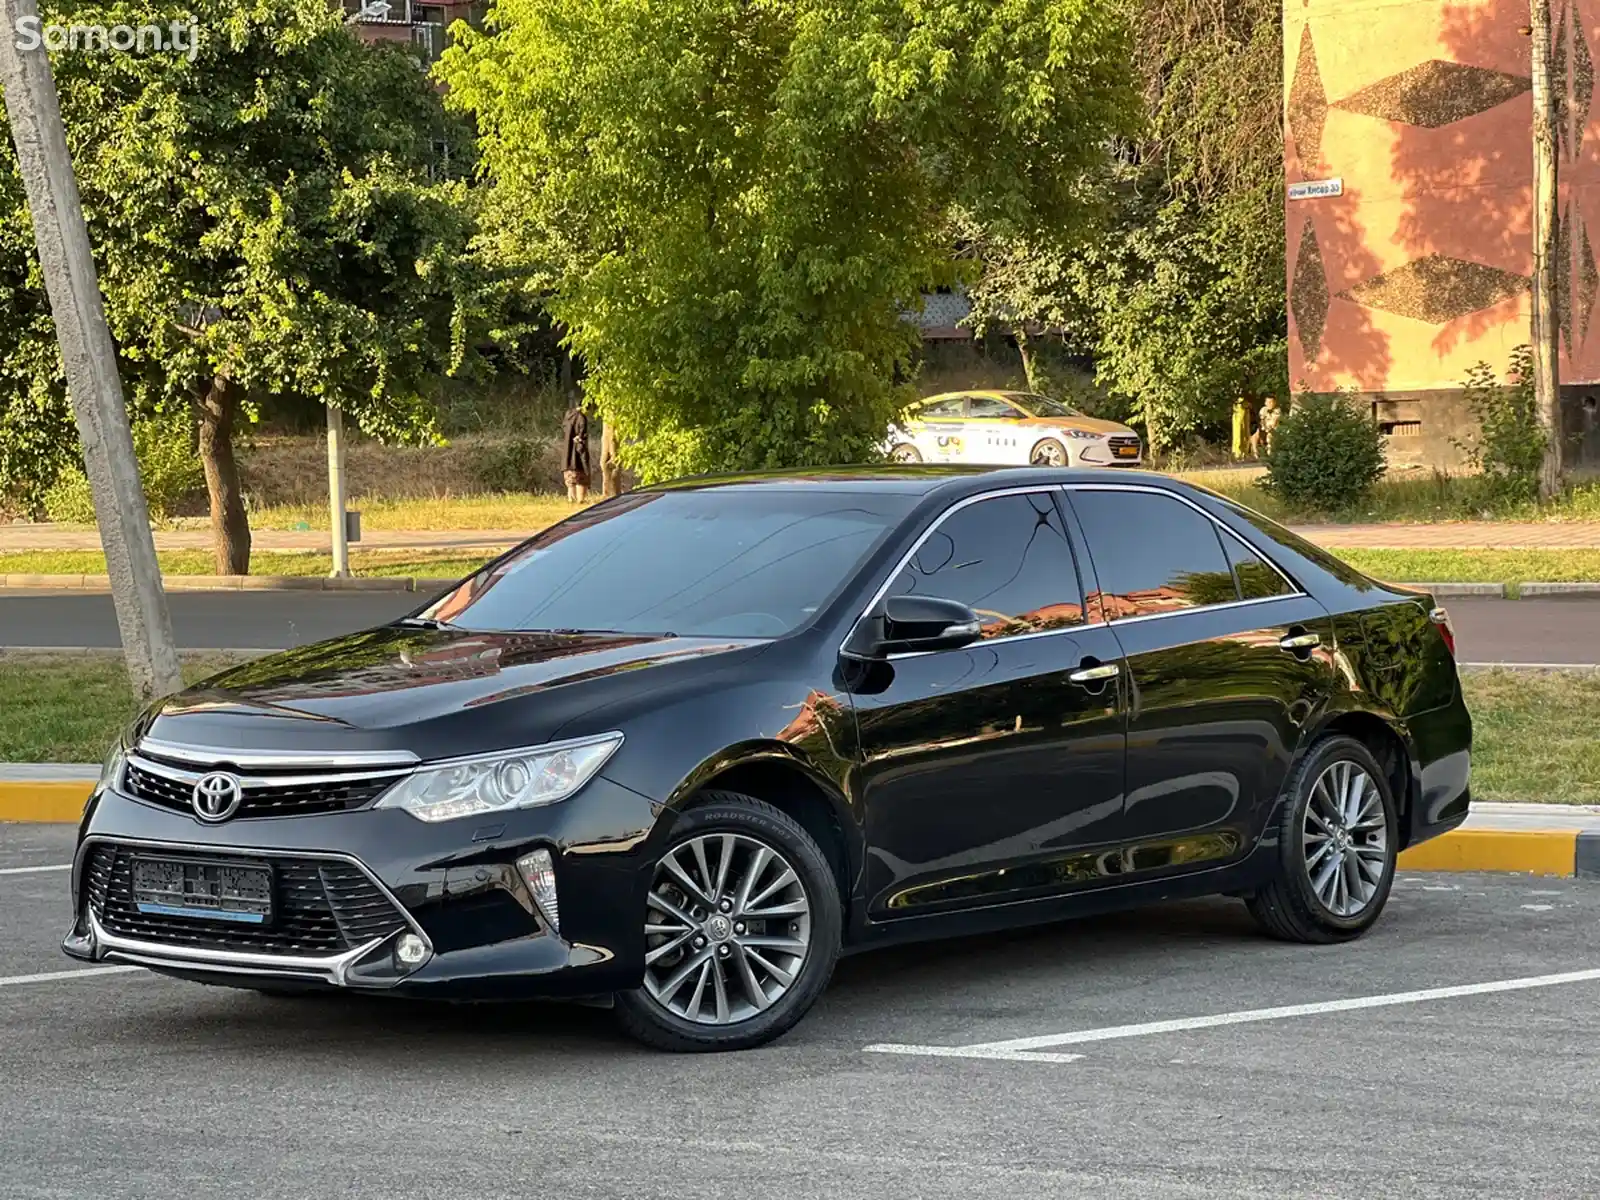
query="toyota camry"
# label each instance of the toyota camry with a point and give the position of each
(681, 751)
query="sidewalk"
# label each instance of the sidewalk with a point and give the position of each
(1455, 535)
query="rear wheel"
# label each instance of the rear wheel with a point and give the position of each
(1338, 840)
(742, 928)
(905, 452)
(1049, 453)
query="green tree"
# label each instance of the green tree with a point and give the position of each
(734, 202)
(1181, 301)
(271, 218)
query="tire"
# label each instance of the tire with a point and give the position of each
(905, 452)
(1290, 906)
(1049, 453)
(730, 819)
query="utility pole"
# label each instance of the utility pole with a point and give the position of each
(1546, 324)
(89, 357)
(338, 494)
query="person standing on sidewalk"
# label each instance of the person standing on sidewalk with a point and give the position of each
(575, 460)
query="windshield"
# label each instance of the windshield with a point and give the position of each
(715, 563)
(1036, 405)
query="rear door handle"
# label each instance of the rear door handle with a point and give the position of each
(1300, 641)
(1094, 674)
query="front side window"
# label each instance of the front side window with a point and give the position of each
(1152, 553)
(990, 406)
(719, 562)
(1036, 405)
(1006, 558)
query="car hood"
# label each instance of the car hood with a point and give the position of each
(424, 690)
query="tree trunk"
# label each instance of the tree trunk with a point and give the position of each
(1545, 331)
(230, 526)
(1030, 360)
(610, 469)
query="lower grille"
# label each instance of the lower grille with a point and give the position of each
(321, 907)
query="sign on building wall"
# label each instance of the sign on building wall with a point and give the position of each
(1316, 189)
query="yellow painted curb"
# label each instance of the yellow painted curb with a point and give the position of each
(61, 801)
(1531, 851)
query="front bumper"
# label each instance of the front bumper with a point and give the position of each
(377, 900)
(1102, 454)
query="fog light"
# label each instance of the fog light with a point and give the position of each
(410, 950)
(538, 870)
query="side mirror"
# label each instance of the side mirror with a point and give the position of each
(915, 623)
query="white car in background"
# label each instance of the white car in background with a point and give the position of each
(1009, 429)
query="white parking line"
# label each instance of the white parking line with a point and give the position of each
(53, 976)
(1028, 1049)
(34, 870)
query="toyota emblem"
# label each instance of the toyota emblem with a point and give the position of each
(217, 796)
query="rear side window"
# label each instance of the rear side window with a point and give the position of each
(1007, 558)
(944, 410)
(1257, 579)
(1152, 553)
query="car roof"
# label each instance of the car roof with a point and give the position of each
(916, 479)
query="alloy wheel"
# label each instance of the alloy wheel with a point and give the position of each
(1345, 837)
(727, 931)
(1049, 454)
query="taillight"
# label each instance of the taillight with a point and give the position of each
(1441, 618)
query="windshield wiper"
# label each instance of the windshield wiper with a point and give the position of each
(429, 623)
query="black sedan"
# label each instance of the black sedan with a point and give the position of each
(682, 750)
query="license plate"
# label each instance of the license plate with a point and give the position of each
(1127, 451)
(212, 891)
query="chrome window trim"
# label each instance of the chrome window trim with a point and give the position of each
(1295, 591)
(332, 967)
(211, 756)
(894, 573)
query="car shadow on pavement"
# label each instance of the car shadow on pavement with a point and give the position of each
(867, 990)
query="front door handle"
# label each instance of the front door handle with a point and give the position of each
(1095, 674)
(1300, 641)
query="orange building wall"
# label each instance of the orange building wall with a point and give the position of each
(1420, 269)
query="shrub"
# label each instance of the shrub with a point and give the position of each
(511, 465)
(1326, 455)
(1508, 448)
(168, 467)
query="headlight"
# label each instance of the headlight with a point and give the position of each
(1083, 435)
(486, 783)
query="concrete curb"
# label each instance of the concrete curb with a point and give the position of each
(234, 583)
(1497, 590)
(1559, 589)
(28, 795)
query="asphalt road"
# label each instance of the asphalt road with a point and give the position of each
(1526, 631)
(130, 1085)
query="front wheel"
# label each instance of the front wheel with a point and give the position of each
(1048, 453)
(1337, 844)
(742, 928)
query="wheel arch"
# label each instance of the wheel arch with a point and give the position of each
(776, 773)
(1384, 736)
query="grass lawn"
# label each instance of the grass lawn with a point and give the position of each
(1535, 733)
(527, 512)
(201, 562)
(1475, 566)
